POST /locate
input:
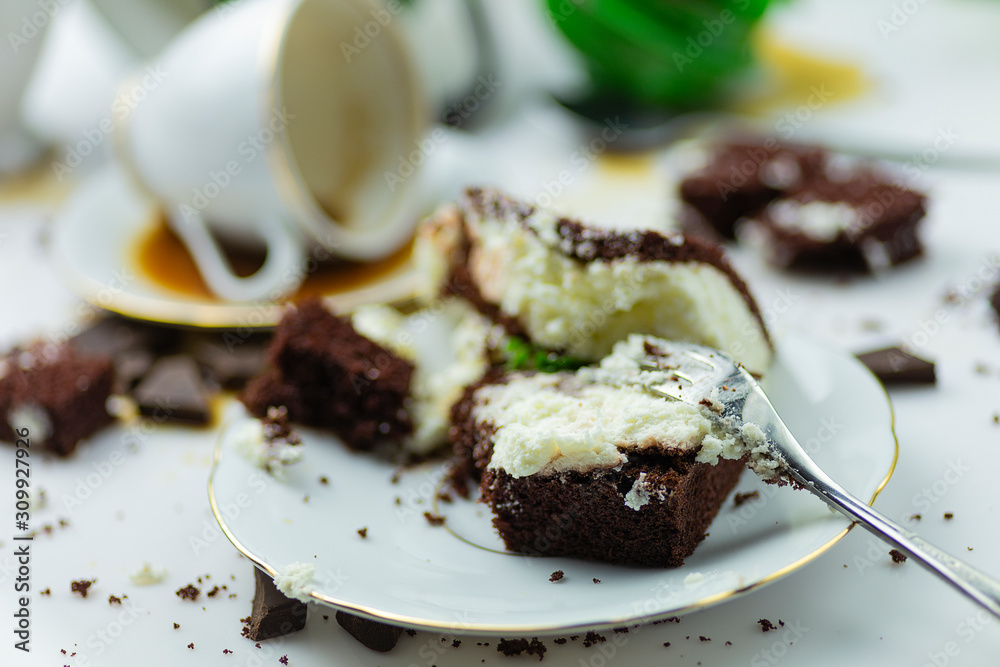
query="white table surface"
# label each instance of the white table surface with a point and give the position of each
(850, 606)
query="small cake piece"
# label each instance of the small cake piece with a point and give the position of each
(374, 635)
(328, 375)
(56, 393)
(273, 614)
(852, 219)
(740, 178)
(591, 464)
(576, 289)
(232, 361)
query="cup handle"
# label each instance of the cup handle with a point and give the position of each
(282, 272)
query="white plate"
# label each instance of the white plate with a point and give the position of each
(457, 576)
(92, 247)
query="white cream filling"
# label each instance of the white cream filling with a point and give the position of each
(248, 437)
(820, 220)
(554, 423)
(296, 580)
(440, 375)
(586, 307)
(593, 418)
(147, 575)
(32, 417)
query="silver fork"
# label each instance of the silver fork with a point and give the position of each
(692, 374)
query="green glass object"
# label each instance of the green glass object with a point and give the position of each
(675, 54)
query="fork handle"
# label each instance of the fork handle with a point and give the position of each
(975, 584)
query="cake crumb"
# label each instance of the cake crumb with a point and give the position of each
(324, 480)
(212, 593)
(948, 516)
(283, 659)
(729, 643)
(741, 498)
(177, 626)
(559, 640)
(188, 592)
(766, 625)
(81, 587)
(114, 599)
(191, 645)
(513, 647)
(226, 651)
(363, 532)
(593, 638)
(596, 580)
(456, 643)
(897, 556)
(557, 575)
(46, 592)
(703, 638)
(434, 519)
(411, 632)
(915, 517)
(666, 644)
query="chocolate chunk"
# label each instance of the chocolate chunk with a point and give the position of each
(893, 365)
(273, 613)
(173, 391)
(232, 361)
(112, 335)
(375, 635)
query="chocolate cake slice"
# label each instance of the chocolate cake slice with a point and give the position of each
(328, 375)
(58, 394)
(593, 464)
(578, 289)
(740, 178)
(810, 209)
(853, 219)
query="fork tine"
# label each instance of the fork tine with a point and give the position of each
(700, 358)
(681, 376)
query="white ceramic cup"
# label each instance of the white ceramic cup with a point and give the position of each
(23, 24)
(257, 123)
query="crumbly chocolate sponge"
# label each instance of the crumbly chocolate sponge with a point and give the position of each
(586, 516)
(571, 287)
(328, 375)
(57, 393)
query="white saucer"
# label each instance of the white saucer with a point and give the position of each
(92, 247)
(458, 577)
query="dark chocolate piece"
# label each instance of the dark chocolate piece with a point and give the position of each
(375, 635)
(232, 363)
(173, 391)
(893, 365)
(273, 613)
(113, 334)
(55, 392)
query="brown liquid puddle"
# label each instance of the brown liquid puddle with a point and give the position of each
(162, 258)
